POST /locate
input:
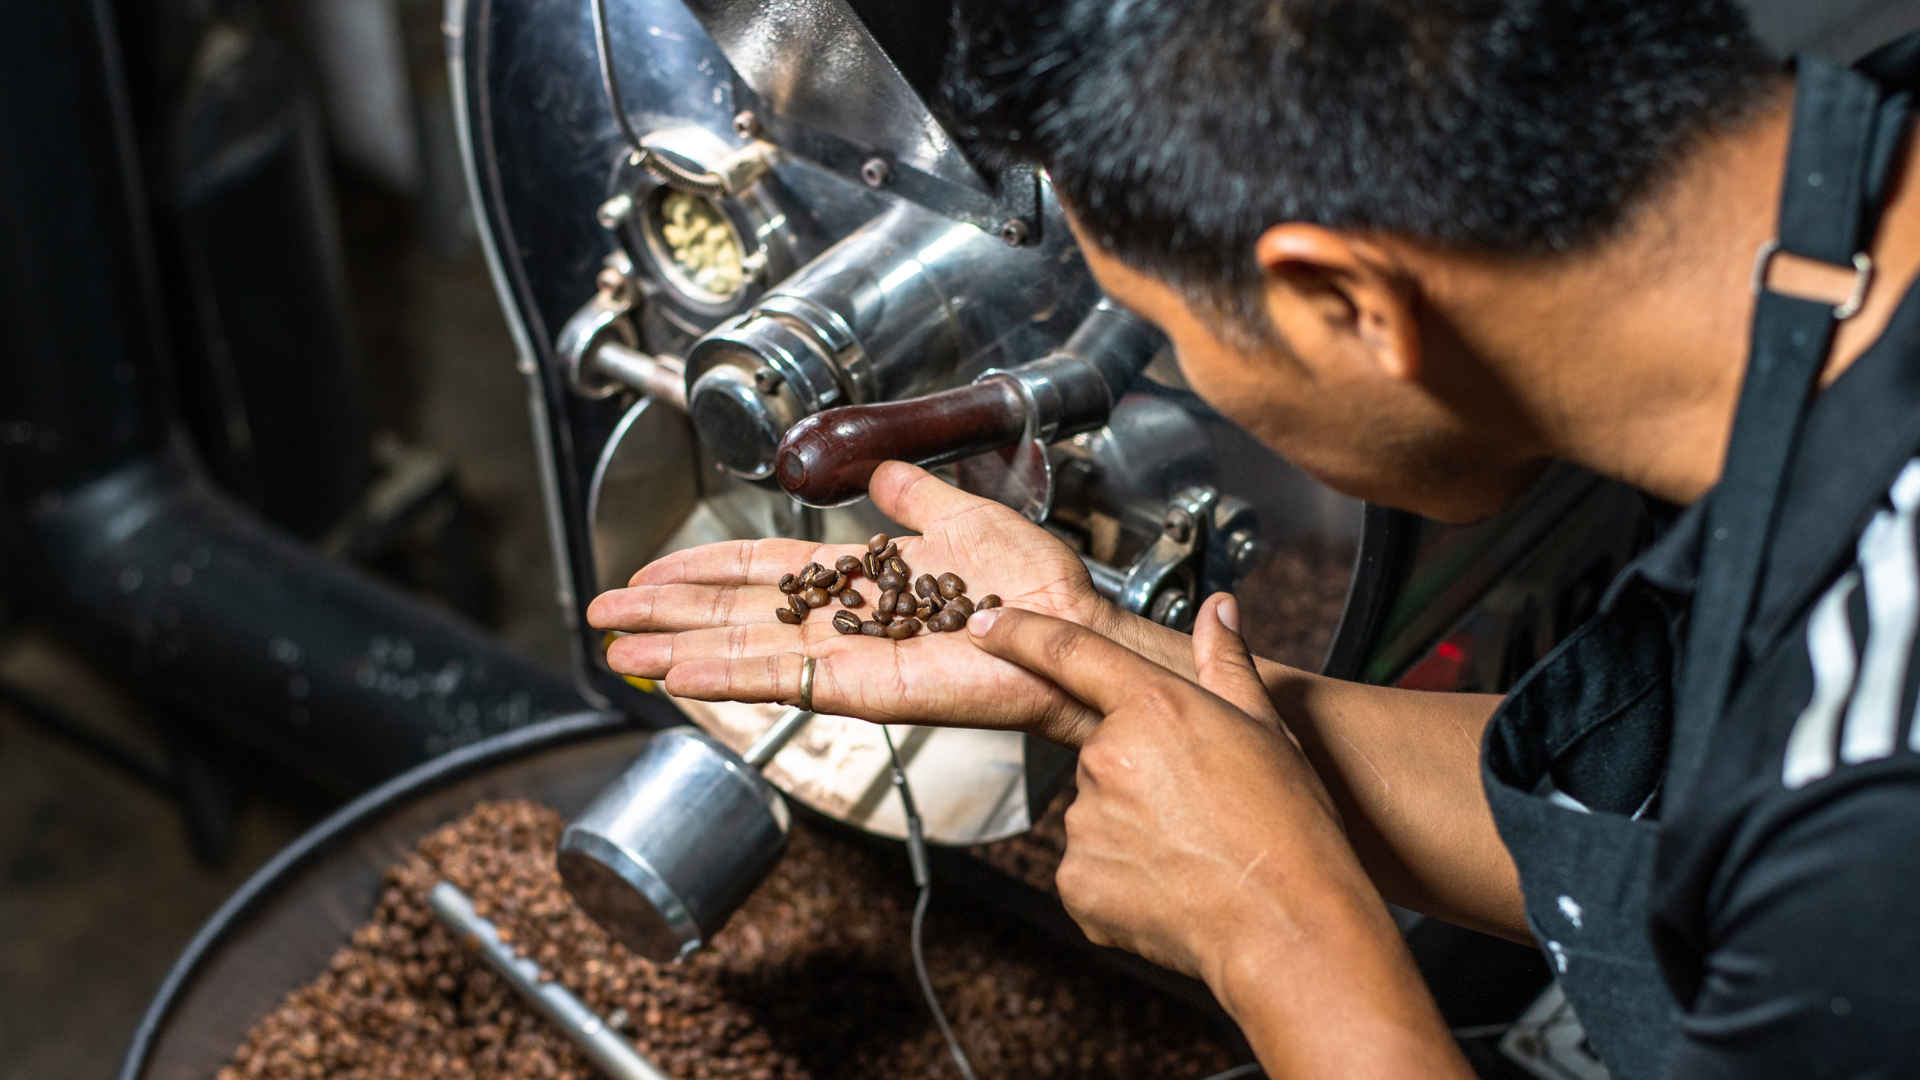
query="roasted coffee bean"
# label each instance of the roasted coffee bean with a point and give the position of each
(849, 598)
(847, 622)
(903, 629)
(809, 572)
(789, 584)
(987, 603)
(925, 585)
(786, 615)
(847, 565)
(831, 580)
(899, 566)
(873, 629)
(890, 580)
(946, 622)
(905, 606)
(936, 602)
(816, 597)
(951, 585)
(888, 599)
(962, 605)
(798, 606)
(879, 542)
(889, 551)
(871, 563)
(882, 617)
(924, 611)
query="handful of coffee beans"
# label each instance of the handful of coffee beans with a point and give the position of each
(906, 603)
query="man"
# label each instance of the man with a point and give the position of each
(1421, 247)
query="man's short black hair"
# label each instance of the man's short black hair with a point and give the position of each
(1180, 130)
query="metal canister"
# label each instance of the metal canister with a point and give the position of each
(665, 854)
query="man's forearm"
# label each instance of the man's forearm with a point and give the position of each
(1403, 767)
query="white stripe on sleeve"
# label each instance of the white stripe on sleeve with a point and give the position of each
(1830, 650)
(1891, 574)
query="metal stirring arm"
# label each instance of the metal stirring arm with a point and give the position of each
(614, 1055)
(776, 737)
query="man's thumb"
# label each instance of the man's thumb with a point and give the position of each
(1221, 661)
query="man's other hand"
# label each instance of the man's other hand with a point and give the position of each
(1203, 840)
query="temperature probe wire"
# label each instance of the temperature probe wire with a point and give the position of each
(704, 185)
(923, 880)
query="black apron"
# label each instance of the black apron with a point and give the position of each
(1601, 738)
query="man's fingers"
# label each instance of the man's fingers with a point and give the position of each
(773, 678)
(656, 608)
(917, 499)
(650, 656)
(1221, 662)
(1099, 672)
(740, 562)
(847, 681)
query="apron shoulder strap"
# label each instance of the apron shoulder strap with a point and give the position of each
(1837, 163)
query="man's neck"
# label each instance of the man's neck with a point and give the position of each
(1628, 358)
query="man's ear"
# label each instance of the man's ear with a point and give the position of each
(1332, 294)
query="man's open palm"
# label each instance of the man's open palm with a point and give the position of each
(703, 619)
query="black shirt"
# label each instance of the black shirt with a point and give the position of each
(1786, 893)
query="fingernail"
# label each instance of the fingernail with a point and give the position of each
(982, 621)
(1228, 612)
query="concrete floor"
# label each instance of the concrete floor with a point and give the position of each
(99, 887)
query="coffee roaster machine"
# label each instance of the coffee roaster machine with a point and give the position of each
(743, 261)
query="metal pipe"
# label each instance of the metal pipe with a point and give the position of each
(339, 675)
(661, 377)
(614, 1055)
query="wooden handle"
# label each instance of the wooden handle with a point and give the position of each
(828, 458)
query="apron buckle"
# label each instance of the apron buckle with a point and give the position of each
(1813, 279)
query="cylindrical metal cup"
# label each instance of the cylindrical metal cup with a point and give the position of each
(669, 850)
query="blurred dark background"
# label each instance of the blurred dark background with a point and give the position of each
(338, 364)
(341, 366)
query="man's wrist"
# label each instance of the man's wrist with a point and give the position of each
(1328, 988)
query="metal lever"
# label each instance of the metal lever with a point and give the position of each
(829, 458)
(1207, 542)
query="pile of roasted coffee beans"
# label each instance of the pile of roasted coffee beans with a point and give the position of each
(811, 980)
(1034, 856)
(940, 604)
